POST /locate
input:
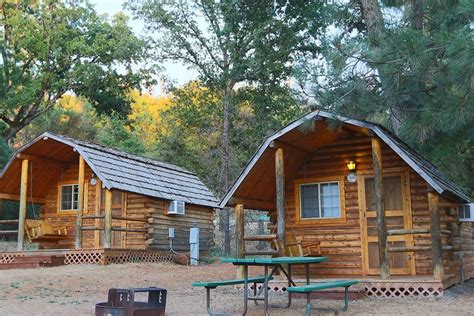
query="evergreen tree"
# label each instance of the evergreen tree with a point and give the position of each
(405, 64)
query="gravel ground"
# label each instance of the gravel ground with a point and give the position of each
(69, 290)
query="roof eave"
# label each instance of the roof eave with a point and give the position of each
(372, 127)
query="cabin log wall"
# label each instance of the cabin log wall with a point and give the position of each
(195, 215)
(342, 242)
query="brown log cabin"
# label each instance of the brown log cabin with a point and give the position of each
(106, 199)
(301, 176)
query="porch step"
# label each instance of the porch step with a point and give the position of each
(15, 265)
(34, 261)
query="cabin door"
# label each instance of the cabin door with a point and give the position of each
(118, 210)
(397, 216)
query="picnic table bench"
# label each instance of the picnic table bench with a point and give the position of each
(308, 289)
(283, 264)
(209, 285)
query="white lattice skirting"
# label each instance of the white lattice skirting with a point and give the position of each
(382, 290)
(115, 256)
(404, 290)
(9, 257)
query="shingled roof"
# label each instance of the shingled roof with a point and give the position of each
(427, 170)
(122, 171)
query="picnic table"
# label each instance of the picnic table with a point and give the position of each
(284, 264)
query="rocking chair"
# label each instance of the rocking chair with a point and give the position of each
(43, 231)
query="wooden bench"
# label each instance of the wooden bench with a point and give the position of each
(43, 231)
(308, 289)
(214, 284)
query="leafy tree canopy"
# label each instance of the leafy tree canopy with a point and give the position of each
(52, 47)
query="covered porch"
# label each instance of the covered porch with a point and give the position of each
(74, 208)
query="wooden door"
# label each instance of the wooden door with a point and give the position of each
(118, 210)
(397, 216)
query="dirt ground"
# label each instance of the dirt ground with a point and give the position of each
(74, 290)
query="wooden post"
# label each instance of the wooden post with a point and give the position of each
(433, 204)
(239, 236)
(379, 208)
(108, 220)
(280, 199)
(80, 203)
(23, 204)
(97, 221)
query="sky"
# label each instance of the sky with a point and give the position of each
(176, 72)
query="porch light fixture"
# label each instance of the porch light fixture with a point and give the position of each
(352, 176)
(93, 180)
(351, 166)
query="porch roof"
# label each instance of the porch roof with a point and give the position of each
(290, 136)
(126, 172)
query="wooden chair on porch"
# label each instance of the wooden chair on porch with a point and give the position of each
(301, 247)
(43, 231)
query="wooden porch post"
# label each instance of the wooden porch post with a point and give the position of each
(97, 221)
(80, 203)
(108, 220)
(280, 199)
(239, 236)
(379, 208)
(433, 204)
(23, 203)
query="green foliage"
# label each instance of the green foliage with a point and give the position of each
(192, 128)
(231, 41)
(51, 47)
(115, 132)
(64, 121)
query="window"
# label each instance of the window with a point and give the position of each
(320, 200)
(69, 197)
(466, 212)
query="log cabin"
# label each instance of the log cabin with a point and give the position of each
(94, 197)
(376, 208)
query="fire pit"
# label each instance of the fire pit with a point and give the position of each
(123, 302)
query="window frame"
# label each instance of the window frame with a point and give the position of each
(61, 211)
(340, 180)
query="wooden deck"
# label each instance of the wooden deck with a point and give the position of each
(46, 258)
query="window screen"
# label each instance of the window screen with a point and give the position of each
(320, 200)
(392, 193)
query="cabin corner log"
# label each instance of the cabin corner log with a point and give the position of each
(379, 208)
(433, 205)
(23, 202)
(239, 235)
(280, 199)
(108, 220)
(80, 203)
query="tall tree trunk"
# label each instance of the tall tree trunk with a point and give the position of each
(374, 22)
(225, 164)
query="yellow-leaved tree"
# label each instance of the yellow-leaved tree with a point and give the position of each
(145, 117)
